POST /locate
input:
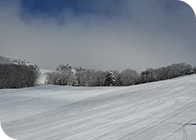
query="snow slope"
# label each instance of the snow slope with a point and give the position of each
(43, 76)
(163, 110)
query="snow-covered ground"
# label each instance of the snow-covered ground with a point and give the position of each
(163, 110)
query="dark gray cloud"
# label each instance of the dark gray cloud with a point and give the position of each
(135, 34)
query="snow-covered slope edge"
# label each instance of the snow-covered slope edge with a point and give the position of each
(159, 110)
(43, 76)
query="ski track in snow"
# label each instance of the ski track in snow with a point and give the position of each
(164, 110)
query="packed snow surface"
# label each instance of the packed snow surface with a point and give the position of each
(164, 110)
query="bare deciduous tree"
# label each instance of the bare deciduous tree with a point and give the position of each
(18, 76)
(129, 77)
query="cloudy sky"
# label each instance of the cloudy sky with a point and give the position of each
(98, 34)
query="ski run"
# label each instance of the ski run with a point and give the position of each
(164, 110)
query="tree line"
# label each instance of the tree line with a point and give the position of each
(18, 76)
(17, 73)
(66, 75)
(22, 74)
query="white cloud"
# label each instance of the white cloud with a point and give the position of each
(99, 42)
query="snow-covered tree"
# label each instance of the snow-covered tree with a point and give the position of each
(63, 68)
(129, 77)
(110, 79)
(4, 60)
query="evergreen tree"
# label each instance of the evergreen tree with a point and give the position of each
(110, 79)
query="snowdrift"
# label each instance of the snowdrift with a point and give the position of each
(164, 110)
